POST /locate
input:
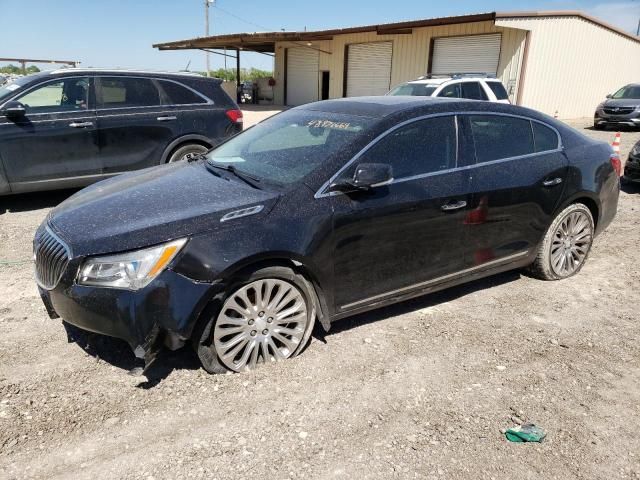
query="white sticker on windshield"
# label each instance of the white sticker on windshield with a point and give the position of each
(12, 87)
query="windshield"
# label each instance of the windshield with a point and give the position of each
(414, 89)
(631, 91)
(286, 148)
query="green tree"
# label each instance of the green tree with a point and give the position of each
(246, 74)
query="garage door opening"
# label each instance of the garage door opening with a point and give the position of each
(466, 54)
(302, 76)
(368, 69)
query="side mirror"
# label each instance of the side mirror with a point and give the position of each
(366, 176)
(609, 95)
(14, 109)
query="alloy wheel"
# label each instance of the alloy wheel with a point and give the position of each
(571, 243)
(262, 321)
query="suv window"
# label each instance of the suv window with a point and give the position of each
(179, 95)
(496, 137)
(473, 91)
(424, 146)
(450, 91)
(498, 90)
(122, 92)
(65, 95)
(545, 138)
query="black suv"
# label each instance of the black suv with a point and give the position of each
(69, 128)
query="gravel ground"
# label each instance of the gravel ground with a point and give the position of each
(418, 390)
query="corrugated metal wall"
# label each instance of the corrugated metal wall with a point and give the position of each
(410, 54)
(573, 64)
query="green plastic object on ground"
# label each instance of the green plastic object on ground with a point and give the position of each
(525, 433)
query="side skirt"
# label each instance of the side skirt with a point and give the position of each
(513, 262)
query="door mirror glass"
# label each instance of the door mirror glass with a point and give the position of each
(366, 176)
(14, 109)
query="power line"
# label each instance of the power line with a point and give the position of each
(249, 22)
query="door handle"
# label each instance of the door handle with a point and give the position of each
(167, 118)
(552, 182)
(454, 206)
(81, 124)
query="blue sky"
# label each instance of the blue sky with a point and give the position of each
(119, 33)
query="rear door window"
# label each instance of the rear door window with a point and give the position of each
(176, 94)
(497, 137)
(450, 91)
(498, 90)
(545, 139)
(473, 91)
(123, 92)
(424, 146)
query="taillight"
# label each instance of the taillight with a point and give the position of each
(235, 116)
(616, 163)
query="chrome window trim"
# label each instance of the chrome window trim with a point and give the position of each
(321, 193)
(208, 101)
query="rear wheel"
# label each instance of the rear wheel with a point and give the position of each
(566, 245)
(186, 152)
(265, 317)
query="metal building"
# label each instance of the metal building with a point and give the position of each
(562, 62)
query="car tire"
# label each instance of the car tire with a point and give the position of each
(264, 337)
(185, 152)
(597, 126)
(566, 245)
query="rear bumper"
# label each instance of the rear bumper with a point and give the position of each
(170, 305)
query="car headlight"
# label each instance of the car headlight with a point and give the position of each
(635, 151)
(131, 270)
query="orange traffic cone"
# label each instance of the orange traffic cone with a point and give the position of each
(616, 144)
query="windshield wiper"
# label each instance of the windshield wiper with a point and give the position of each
(245, 177)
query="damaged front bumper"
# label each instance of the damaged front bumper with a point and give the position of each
(163, 313)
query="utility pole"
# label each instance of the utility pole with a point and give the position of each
(206, 29)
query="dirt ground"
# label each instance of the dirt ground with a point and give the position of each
(418, 390)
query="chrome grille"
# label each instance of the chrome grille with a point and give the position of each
(618, 110)
(51, 258)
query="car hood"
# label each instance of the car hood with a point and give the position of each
(151, 206)
(622, 102)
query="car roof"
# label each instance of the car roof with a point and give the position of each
(115, 72)
(409, 106)
(376, 107)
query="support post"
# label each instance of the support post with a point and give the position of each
(238, 90)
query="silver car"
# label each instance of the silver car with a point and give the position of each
(621, 108)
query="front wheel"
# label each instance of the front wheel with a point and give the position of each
(566, 245)
(266, 317)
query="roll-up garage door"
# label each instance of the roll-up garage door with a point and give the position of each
(302, 76)
(468, 54)
(369, 68)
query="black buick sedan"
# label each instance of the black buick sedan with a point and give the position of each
(318, 213)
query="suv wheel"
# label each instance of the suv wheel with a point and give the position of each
(186, 152)
(566, 245)
(266, 317)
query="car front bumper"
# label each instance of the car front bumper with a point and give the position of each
(165, 311)
(603, 119)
